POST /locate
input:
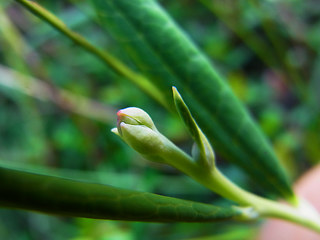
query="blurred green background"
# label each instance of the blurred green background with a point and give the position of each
(58, 104)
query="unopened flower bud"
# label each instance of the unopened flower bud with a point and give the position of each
(135, 116)
(137, 129)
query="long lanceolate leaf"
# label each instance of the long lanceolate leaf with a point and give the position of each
(168, 57)
(61, 196)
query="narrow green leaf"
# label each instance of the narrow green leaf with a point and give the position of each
(203, 152)
(54, 195)
(167, 56)
(113, 62)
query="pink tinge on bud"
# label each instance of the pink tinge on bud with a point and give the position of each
(120, 114)
(124, 116)
(119, 117)
(133, 116)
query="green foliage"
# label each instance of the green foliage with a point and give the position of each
(168, 57)
(56, 116)
(80, 199)
(202, 151)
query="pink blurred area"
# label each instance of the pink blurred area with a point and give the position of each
(308, 188)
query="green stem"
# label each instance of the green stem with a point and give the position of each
(138, 79)
(262, 207)
(217, 182)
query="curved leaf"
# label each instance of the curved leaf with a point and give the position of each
(167, 56)
(48, 194)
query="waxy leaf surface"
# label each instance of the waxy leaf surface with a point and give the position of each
(166, 55)
(48, 194)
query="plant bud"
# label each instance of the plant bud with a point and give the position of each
(135, 116)
(137, 129)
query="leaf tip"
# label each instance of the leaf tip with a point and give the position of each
(176, 94)
(174, 89)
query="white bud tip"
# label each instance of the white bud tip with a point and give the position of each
(115, 131)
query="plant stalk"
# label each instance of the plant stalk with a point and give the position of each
(214, 180)
(217, 182)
